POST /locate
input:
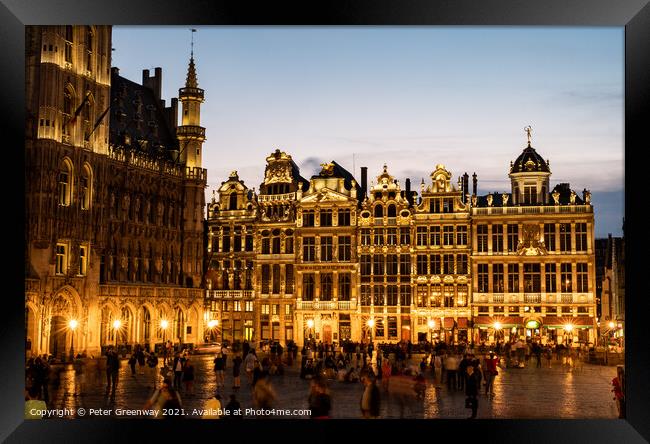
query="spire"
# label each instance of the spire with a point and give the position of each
(191, 81)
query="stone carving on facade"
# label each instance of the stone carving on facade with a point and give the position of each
(586, 196)
(474, 200)
(572, 197)
(505, 197)
(489, 200)
(556, 197)
(531, 243)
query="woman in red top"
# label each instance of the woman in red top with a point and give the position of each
(490, 372)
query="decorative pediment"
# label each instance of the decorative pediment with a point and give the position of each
(532, 242)
(325, 195)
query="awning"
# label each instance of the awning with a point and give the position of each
(449, 323)
(505, 321)
(462, 322)
(561, 321)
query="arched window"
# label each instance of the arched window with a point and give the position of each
(68, 44)
(85, 187)
(180, 325)
(379, 211)
(68, 111)
(233, 201)
(65, 183)
(146, 324)
(125, 326)
(392, 211)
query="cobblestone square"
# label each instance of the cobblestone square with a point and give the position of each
(562, 392)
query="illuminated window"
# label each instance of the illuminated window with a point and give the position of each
(565, 271)
(308, 287)
(61, 263)
(481, 236)
(551, 278)
(83, 260)
(448, 235)
(513, 237)
(513, 278)
(482, 278)
(497, 238)
(434, 236)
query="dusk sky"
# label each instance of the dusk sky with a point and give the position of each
(410, 97)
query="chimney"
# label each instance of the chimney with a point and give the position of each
(173, 113)
(465, 186)
(408, 191)
(153, 83)
(115, 70)
(364, 181)
(474, 184)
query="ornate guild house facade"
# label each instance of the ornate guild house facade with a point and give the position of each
(114, 200)
(332, 260)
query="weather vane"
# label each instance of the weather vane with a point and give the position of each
(192, 43)
(528, 130)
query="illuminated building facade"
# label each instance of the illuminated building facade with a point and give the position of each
(114, 200)
(533, 258)
(334, 260)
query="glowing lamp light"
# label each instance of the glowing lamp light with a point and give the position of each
(371, 323)
(117, 324)
(164, 324)
(611, 324)
(497, 325)
(431, 323)
(310, 323)
(213, 323)
(73, 324)
(568, 328)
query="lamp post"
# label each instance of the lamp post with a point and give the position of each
(116, 326)
(310, 325)
(432, 325)
(497, 328)
(568, 328)
(164, 324)
(611, 326)
(73, 325)
(371, 324)
(212, 323)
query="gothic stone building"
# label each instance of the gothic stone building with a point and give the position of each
(336, 261)
(114, 199)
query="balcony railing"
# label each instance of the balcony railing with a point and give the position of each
(541, 209)
(229, 294)
(149, 291)
(566, 298)
(533, 298)
(276, 197)
(326, 305)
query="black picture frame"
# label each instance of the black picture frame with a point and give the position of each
(633, 14)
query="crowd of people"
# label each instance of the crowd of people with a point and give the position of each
(384, 370)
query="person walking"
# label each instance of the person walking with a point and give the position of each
(490, 373)
(386, 372)
(165, 401)
(233, 409)
(371, 398)
(219, 368)
(249, 365)
(112, 370)
(141, 361)
(451, 367)
(236, 370)
(471, 391)
(188, 376)
(263, 393)
(320, 401)
(132, 362)
(178, 371)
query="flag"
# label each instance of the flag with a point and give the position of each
(99, 120)
(78, 110)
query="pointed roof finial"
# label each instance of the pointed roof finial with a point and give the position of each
(191, 81)
(528, 130)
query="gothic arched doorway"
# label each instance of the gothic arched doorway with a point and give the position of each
(58, 330)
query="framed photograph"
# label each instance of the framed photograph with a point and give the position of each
(270, 215)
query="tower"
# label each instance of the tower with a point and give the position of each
(529, 177)
(190, 134)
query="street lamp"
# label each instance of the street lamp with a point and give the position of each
(432, 325)
(164, 324)
(212, 323)
(116, 325)
(310, 325)
(73, 325)
(497, 328)
(568, 328)
(371, 324)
